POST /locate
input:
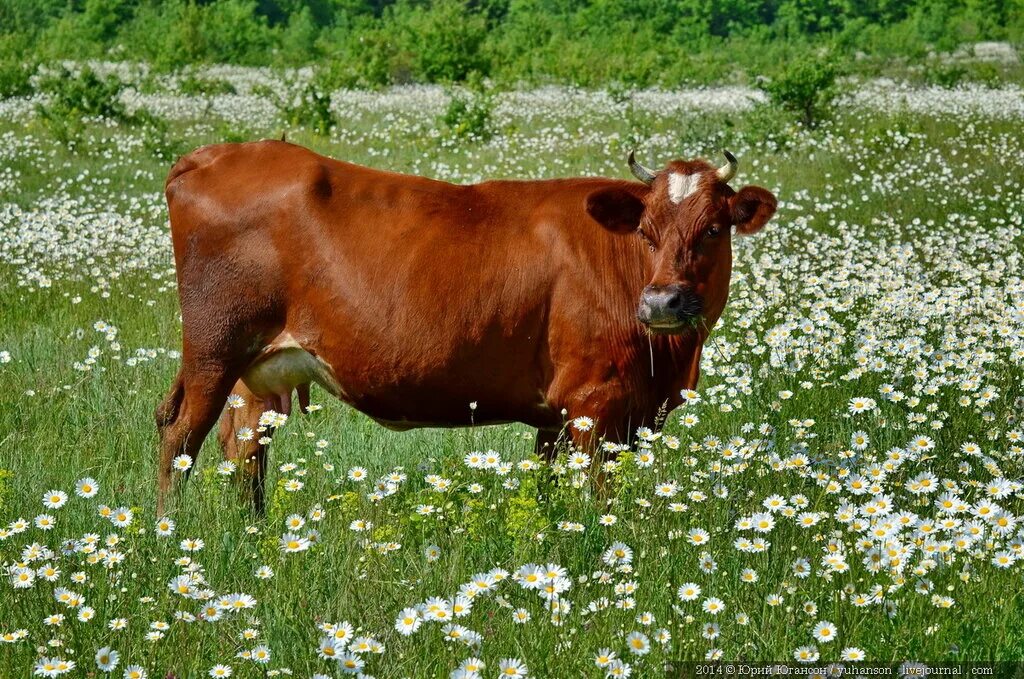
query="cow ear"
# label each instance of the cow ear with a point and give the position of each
(615, 209)
(751, 208)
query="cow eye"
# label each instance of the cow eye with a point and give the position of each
(714, 231)
(647, 239)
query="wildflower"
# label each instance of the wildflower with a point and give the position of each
(824, 631)
(638, 643)
(604, 657)
(55, 499)
(408, 621)
(581, 424)
(218, 671)
(698, 536)
(689, 591)
(578, 460)
(290, 542)
(806, 654)
(472, 665)
(667, 489)
(53, 667)
(107, 659)
(861, 404)
(350, 663)
(122, 517)
(182, 463)
(512, 668)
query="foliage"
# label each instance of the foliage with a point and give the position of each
(310, 107)
(586, 42)
(806, 87)
(74, 97)
(83, 93)
(447, 41)
(194, 84)
(15, 78)
(469, 114)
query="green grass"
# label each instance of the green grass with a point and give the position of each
(835, 218)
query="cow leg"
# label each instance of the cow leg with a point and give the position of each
(186, 415)
(250, 457)
(605, 404)
(302, 391)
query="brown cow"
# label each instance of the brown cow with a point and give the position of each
(410, 298)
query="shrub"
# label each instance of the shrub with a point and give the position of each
(156, 136)
(76, 96)
(944, 74)
(15, 78)
(194, 84)
(469, 114)
(806, 87)
(309, 108)
(446, 41)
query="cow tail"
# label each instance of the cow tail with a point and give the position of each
(167, 411)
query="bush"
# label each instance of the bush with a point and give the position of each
(194, 84)
(156, 136)
(944, 74)
(178, 32)
(15, 78)
(82, 94)
(75, 97)
(309, 108)
(469, 115)
(447, 41)
(806, 87)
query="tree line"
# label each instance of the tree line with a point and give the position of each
(586, 42)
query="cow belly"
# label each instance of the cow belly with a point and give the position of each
(279, 372)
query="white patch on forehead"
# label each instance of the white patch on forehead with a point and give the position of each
(681, 185)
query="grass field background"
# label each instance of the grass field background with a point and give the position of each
(859, 408)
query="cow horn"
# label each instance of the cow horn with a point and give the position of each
(639, 171)
(728, 171)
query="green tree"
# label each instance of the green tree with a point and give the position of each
(806, 87)
(446, 40)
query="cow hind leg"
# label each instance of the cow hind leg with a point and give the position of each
(249, 456)
(185, 417)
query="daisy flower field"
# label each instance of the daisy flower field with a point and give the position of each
(845, 485)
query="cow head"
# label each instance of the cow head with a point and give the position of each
(685, 215)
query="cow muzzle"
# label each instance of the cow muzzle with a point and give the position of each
(669, 309)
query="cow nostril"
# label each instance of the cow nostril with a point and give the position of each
(673, 302)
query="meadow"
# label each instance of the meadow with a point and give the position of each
(844, 487)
